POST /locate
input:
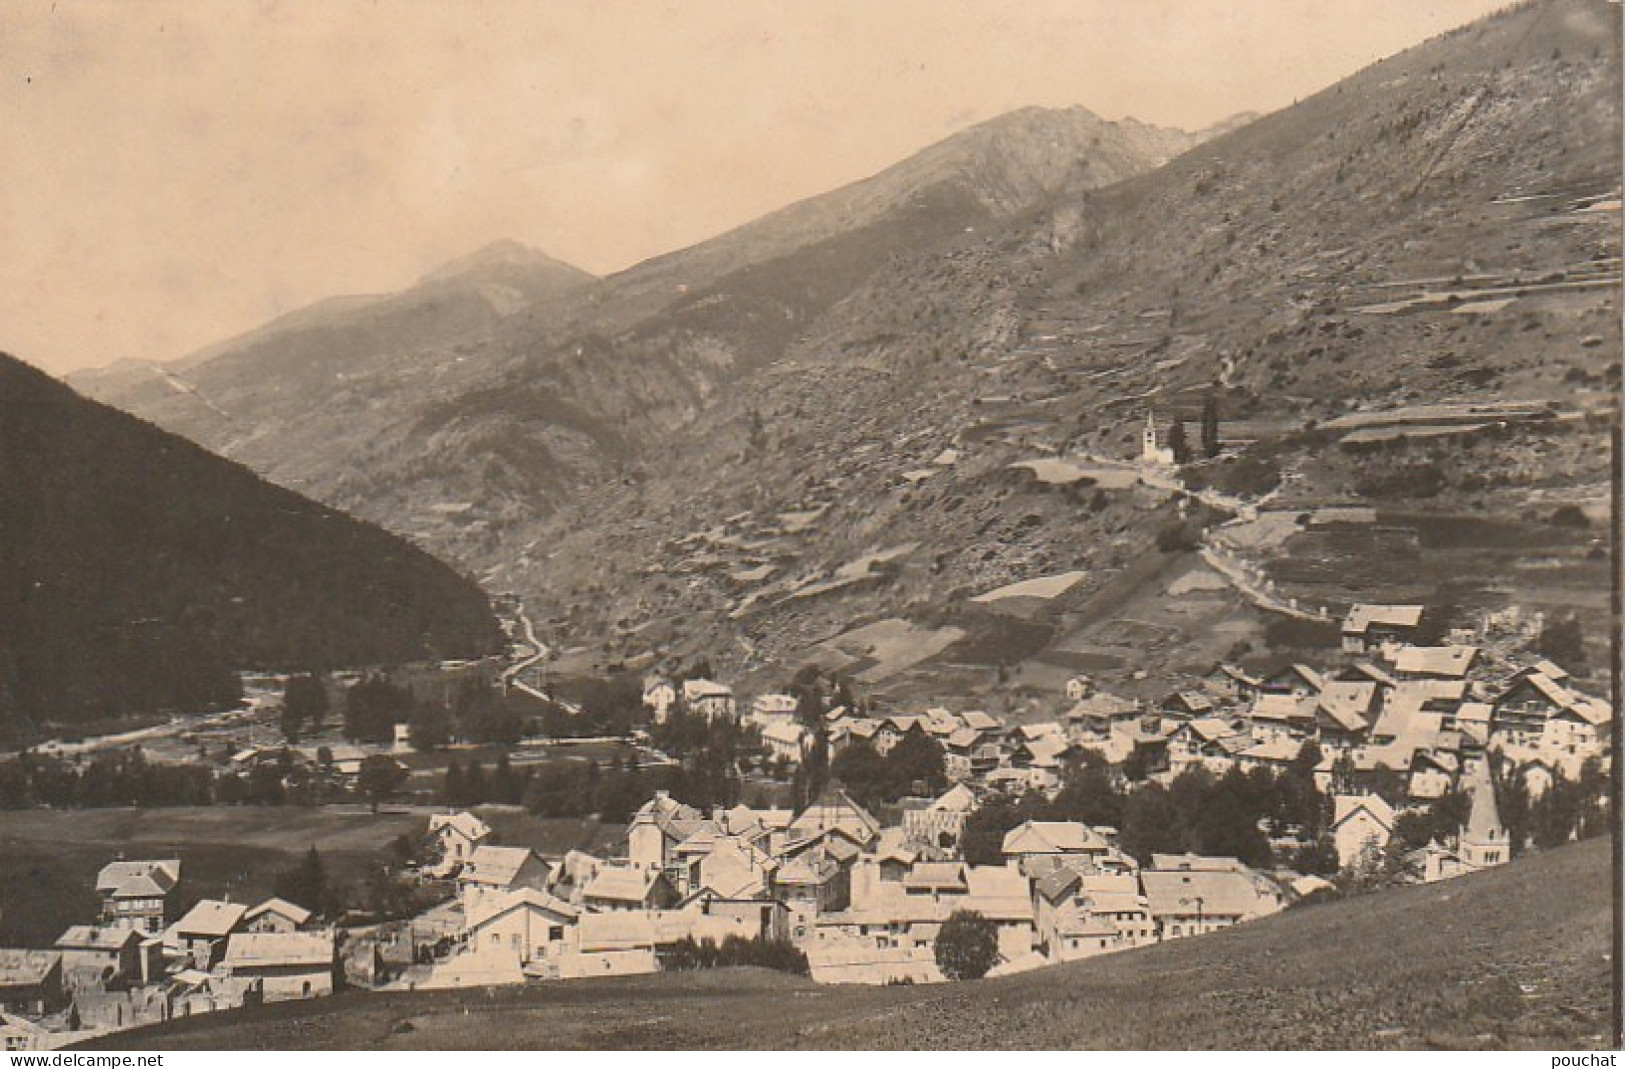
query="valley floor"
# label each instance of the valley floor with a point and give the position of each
(1489, 960)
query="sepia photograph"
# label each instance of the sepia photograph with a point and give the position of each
(843, 524)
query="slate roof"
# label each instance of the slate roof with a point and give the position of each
(937, 876)
(138, 879)
(1101, 706)
(1345, 806)
(89, 937)
(210, 918)
(1447, 662)
(264, 950)
(1226, 893)
(529, 898)
(496, 866)
(621, 883)
(1053, 837)
(1361, 617)
(282, 907)
(1283, 708)
(956, 799)
(1348, 702)
(465, 824)
(26, 968)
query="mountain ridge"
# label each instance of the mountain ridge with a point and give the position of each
(620, 360)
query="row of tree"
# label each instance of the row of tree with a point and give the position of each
(1179, 441)
(1233, 815)
(371, 708)
(735, 951)
(912, 767)
(381, 894)
(127, 778)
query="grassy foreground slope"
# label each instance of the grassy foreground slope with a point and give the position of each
(1515, 957)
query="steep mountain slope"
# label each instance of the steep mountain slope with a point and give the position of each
(137, 570)
(1442, 226)
(310, 378)
(1488, 961)
(569, 390)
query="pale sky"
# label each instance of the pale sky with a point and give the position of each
(173, 172)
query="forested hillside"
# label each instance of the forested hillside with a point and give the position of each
(138, 571)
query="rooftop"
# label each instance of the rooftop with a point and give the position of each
(269, 949)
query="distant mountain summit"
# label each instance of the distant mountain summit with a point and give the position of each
(511, 260)
(508, 380)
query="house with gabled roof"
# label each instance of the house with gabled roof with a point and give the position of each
(1079, 914)
(769, 709)
(200, 936)
(1345, 710)
(1210, 741)
(1365, 671)
(139, 894)
(1053, 838)
(709, 699)
(1537, 715)
(490, 869)
(1187, 705)
(1191, 895)
(1296, 680)
(1098, 713)
(1434, 662)
(940, 823)
(834, 808)
(786, 741)
(1276, 754)
(890, 919)
(812, 883)
(1275, 717)
(18, 1033)
(31, 981)
(276, 915)
(657, 827)
(530, 924)
(1230, 684)
(894, 729)
(981, 721)
(288, 965)
(937, 879)
(1360, 822)
(851, 731)
(628, 887)
(95, 958)
(572, 873)
(1432, 773)
(453, 838)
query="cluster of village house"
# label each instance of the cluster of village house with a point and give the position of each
(1428, 713)
(144, 961)
(865, 901)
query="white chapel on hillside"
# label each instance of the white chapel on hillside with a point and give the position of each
(1152, 451)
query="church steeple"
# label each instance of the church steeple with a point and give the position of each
(1484, 840)
(1151, 450)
